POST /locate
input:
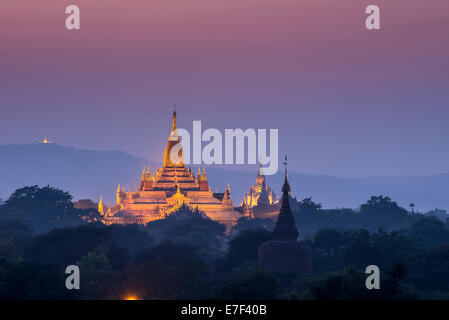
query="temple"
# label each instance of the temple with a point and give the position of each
(260, 194)
(284, 251)
(167, 189)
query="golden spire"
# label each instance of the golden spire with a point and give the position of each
(203, 176)
(173, 141)
(143, 174)
(119, 190)
(227, 193)
(174, 127)
(101, 206)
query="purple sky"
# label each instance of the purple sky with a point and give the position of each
(347, 101)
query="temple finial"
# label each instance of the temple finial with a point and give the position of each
(286, 186)
(174, 127)
(285, 164)
(285, 229)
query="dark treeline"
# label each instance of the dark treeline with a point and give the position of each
(188, 256)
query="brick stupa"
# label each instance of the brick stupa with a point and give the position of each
(284, 251)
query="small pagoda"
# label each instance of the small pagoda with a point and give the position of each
(284, 251)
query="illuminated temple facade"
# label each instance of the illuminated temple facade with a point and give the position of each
(260, 194)
(170, 187)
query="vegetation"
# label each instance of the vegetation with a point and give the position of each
(189, 256)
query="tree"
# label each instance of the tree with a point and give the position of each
(66, 246)
(439, 214)
(44, 208)
(18, 231)
(244, 247)
(334, 250)
(33, 197)
(350, 285)
(247, 282)
(429, 269)
(308, 206)
(381, 205)
(428, 232)
(167, 271)
(8, 249)
(191, 227)
(31, 280)
(254, 224)
(95, 260)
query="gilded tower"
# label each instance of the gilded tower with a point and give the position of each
(173, 155)
(260, 194)
(168, 188)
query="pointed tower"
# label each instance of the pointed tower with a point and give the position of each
(143, 174)
(101, 206)
(204, 186)
(227, 202)
(119, 194)
(264, 200)
(172, 144)
(146, 183)
(284, 250)
(285, 229)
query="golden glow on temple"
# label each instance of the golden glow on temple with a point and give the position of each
(260, 194)
(165, 190)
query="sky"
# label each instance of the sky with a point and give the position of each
(347, 101)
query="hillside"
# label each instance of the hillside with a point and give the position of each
(89, 174)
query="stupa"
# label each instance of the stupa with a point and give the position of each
(284, 251)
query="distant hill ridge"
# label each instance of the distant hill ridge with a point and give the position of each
(91, 173)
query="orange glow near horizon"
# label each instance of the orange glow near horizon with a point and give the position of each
(131, 297)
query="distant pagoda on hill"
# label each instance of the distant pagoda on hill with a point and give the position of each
(168, 189)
